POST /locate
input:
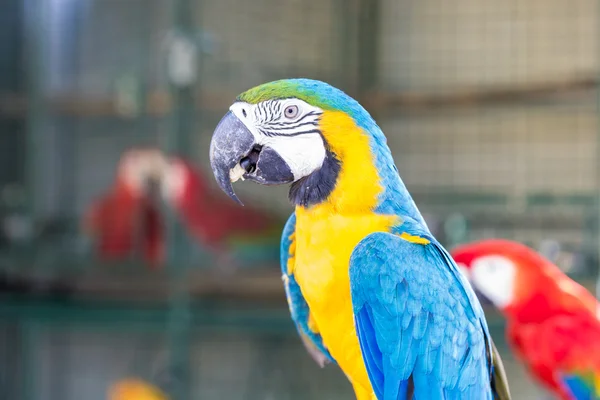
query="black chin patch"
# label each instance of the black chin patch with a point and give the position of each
(316, 187)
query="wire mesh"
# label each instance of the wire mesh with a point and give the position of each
(490, 110)
(497, 117)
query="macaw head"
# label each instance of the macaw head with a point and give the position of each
(140, 170)
(129, 211)
(309, 134)
(490, 268)
(513, 276)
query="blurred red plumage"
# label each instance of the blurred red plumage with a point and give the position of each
(552, 321)
(210, 216)
(126, 220)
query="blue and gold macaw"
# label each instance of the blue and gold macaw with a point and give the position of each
(368, 285)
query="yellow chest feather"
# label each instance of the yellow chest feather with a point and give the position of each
(324, 244)
(325, 236)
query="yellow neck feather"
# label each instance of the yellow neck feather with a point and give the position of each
(358, 184)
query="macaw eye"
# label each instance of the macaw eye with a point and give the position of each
(291, 112)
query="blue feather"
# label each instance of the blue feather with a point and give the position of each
(442, 349)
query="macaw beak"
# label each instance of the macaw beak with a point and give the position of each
(152, 186)
(234, 154)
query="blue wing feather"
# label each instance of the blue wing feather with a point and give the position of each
(298, 306)
(416, 319)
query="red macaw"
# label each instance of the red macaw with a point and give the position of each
(552, 321)
(208, 215)
(127, 217)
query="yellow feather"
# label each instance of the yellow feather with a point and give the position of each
(358, 184)
(291, 253)
(413, 239)
(326, 235)
(312, 324)
(135, 389)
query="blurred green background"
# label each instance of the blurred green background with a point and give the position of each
(490, 108)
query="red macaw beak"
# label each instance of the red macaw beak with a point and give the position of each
(152, 187)
(143, 169)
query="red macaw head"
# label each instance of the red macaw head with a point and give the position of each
(514, 277)
(493, 269)
(128, 215)
(140, 170)
(179, 179)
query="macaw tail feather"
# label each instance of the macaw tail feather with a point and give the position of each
(499, 381)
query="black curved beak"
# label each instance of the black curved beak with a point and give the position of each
(152, 187)
(234, 154)
(231, 142)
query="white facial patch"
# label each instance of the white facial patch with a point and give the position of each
(138, 165)
(303, 154)
(175, 180)
(494, 276)
(288, 126)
